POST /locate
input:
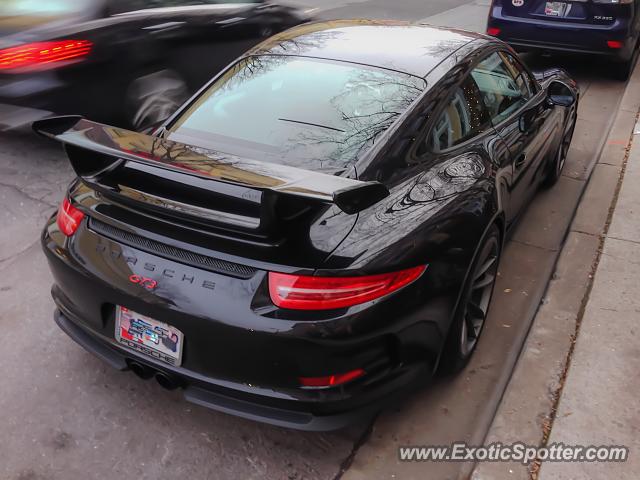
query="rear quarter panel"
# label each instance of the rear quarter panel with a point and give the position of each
(440, 205)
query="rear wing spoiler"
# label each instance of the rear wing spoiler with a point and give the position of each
(95, 149)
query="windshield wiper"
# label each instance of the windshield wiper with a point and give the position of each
(312, 124)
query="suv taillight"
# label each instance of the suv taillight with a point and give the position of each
(43, 55)
(299, 292)
(69, 217)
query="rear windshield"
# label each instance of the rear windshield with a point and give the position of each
(297, 111)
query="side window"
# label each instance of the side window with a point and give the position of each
(499, 89)
(463, 118)
(523, 79)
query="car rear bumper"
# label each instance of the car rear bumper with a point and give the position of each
(240, 370)
(200, 392)
(583, 38)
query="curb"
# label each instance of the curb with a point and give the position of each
(528, 406)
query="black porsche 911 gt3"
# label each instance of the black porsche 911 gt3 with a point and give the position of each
(315, 231)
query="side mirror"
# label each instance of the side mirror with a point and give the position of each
(558, 93)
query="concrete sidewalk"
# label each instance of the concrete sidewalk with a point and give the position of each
(599, 403)
(576, 381)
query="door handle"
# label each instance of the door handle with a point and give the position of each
(521, 160)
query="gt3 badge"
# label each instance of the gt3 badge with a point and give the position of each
(148, 283)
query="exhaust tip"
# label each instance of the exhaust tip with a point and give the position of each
(167, 381)
(140, 370)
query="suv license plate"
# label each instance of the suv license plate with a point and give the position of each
(556, 9)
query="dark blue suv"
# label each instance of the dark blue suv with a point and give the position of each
(602, 27)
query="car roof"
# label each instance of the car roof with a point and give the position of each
(410, 48)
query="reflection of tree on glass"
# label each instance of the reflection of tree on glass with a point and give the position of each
(353, 105)
(370, 101)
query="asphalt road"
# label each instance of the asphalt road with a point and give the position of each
(410, 10)
(66, 415)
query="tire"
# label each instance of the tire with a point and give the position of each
(471, 313)
(554, 170)
(152, 98)
(623, 70)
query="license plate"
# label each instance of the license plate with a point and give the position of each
(149, 337)
(556, 9)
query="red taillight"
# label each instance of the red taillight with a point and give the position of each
(493, 31)
(69, 218)
(614, 44)
(331, 380)
(41, 55)
(324, 293)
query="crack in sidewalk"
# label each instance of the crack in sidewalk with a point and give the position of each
(28, 196)
(361, 440)
(532, 245)
(7, 261)
(636, 242)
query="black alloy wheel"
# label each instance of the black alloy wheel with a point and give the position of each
(154, 97)
(471, 314)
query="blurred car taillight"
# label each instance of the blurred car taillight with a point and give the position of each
(43, 55)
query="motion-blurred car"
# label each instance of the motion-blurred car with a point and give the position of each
(130, 62)
(315, 232)
(604, 28)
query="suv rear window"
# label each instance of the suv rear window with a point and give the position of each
(304, 112)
